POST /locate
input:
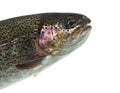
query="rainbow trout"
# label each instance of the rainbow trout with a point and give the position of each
(30, 43)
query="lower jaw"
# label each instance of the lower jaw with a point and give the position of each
(88, 27)
(85, 33)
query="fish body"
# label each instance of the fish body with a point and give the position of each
(30, 43)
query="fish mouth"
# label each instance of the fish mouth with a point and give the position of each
(87, 24)
(87, 28)
(81, 33)
(85, 32)
(81, 30)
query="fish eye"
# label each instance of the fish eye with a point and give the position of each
(71, 22)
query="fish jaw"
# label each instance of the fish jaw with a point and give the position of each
(77, 36)
(71, 46)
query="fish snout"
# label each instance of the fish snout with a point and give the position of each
(84, 20)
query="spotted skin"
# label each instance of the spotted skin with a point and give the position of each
(21, 52)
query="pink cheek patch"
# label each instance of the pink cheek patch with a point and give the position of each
(46, 37)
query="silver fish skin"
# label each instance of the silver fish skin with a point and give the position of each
(28, 44)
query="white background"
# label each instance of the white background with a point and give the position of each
(94, 67)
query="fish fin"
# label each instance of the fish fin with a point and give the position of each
(31, 64)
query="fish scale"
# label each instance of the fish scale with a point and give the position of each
(12, 28)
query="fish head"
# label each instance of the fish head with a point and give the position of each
(62, 33)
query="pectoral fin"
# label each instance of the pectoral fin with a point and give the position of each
(30, 64)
